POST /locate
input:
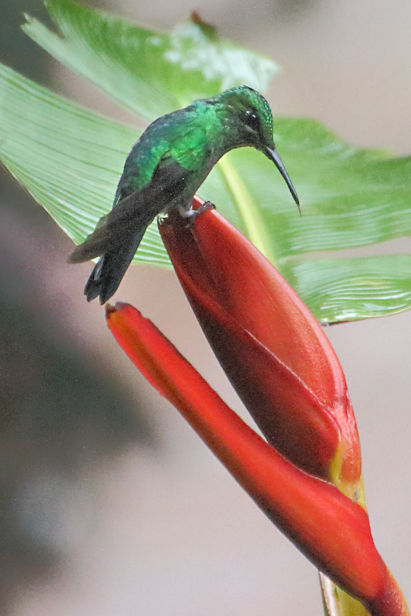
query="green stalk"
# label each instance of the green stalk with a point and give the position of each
(254, 226)
(337, 602)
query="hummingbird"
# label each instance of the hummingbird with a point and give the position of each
(164, 170)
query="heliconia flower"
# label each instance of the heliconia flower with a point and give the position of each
(271, 347)
(307, 475)
(327, 526)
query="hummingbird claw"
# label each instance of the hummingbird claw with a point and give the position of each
(193, 214)
(207, 205)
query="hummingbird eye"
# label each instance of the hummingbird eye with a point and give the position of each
(252, 120)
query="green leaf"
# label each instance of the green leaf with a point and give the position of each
(352, 288)
(70, 159)
(349, 197)
(148, 71)
(151, 72)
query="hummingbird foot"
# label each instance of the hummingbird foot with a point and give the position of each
(191, 214)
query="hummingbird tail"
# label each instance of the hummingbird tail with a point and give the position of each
(110, 269)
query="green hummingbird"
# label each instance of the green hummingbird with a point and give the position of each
(164, 170)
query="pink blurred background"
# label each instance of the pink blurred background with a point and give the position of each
(111, 505)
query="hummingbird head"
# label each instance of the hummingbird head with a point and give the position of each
(248, 119)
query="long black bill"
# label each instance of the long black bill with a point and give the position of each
(273, 155)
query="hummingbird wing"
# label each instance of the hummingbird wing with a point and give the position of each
(119, 233)
(127, 217)
(133, 213)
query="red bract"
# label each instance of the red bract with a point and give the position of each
(282, 365)
(270, 345)
(327, 526)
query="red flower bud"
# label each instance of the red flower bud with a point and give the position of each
(270, 345)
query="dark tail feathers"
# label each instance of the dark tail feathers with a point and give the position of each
(111, 267)
(115, 240)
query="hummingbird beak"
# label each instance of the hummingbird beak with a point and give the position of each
(273, 155)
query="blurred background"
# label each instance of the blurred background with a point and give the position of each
(109, 504)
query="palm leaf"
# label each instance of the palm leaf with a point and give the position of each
(70, 159)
